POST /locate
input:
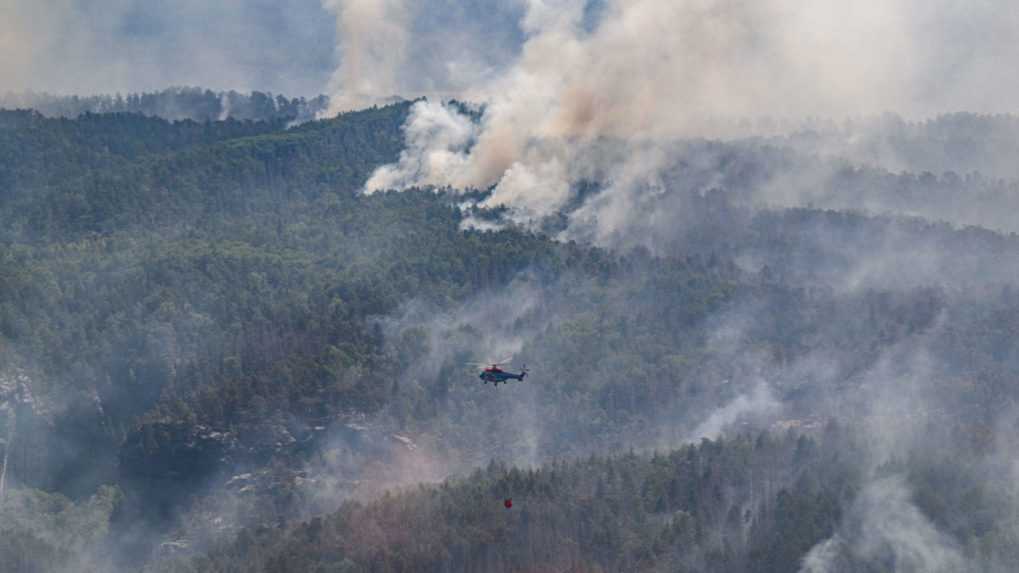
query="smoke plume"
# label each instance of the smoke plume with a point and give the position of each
(374, 46)
(601, 100)
(391, 49)
(885, 531)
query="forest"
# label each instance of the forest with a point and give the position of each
(218, 353)
(174, 104)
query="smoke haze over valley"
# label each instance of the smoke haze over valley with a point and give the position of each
(759, 259)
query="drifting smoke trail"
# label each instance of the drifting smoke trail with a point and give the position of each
(885, 530)
(440, 49)
(759, 402)
(373, 36)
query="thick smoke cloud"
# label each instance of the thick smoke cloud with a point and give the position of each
(573, 95)
(648, 72)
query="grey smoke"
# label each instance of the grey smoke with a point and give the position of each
(437, 149)
(759, 402)
(648, 72)
(884, 530)
(392, 49)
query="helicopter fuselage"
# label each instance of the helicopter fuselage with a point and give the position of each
(496, 375)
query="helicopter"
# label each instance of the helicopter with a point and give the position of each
(496, 375)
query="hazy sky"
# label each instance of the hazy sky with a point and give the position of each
(740, 53)
(100, 46)
(292, 47)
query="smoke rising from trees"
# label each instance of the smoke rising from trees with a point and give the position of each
(603, 101)
(680, 253)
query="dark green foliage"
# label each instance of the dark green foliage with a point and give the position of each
(62, 188)
(196, 300)
(736, 505)
(719, 506)
(173, 104)
(43, 532)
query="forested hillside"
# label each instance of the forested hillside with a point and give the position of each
(742, 504)
(217, 354)
(181, 103)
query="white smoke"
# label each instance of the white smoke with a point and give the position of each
(391, 49)
(886, 531)
(650, 71)
(760, 402)
(437, 140)
(373, 46)
(488, 325)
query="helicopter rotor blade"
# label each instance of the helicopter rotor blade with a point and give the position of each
(489, 363)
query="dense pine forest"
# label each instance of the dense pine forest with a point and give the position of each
(174, 104)
(218, 354)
